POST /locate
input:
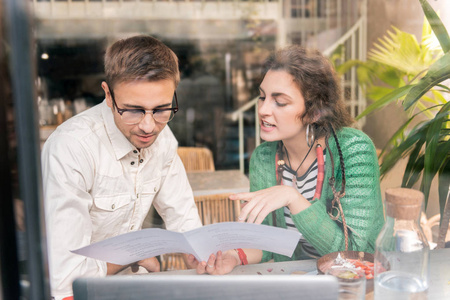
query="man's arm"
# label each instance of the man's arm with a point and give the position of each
(175, 200)
(150, 264)
(67, 178)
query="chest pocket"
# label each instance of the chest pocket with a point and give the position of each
(151, 187)
(111, 212)
(148, 192)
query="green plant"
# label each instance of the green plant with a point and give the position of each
(400, 69)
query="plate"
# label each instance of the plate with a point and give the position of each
(326, 261)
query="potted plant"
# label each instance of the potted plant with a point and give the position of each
(400, 69)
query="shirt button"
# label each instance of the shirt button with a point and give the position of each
(135, 151)
(113, 206)
(141, 160)
(132, 226)
(132, 163)
(154, 189)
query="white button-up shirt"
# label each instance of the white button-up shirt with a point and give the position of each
(98, 185)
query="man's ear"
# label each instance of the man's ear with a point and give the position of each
(108, 98)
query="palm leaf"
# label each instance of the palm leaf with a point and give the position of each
(437, 73)
(392, 76)
(346, 66)
(399, 50)
(444, 182)
(416, 172)
(439, 98)
(397, 135)
(436, 24)
(444, 87)
(432, 157)
(391, 158)
(424, 109)
(375, 93)
(392, 96)
(412, 166)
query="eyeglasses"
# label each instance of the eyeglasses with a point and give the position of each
(135, 116)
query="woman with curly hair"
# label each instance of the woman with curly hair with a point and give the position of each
(314, 173)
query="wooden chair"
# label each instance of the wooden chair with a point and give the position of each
(211, 208)
(196, 158)
(217, 208)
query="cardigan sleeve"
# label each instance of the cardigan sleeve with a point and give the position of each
(362, 205)
(261, 177)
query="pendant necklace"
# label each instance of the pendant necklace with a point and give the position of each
(294, 178)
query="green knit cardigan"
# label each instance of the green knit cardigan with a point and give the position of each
(362, 205)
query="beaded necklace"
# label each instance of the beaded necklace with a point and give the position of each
(294, 178)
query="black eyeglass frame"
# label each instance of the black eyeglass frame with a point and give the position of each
(144, 112)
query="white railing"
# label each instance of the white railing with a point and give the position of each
(354, 47)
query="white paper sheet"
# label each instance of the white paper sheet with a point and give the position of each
(201, 242)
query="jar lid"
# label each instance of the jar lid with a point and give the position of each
(403, 203)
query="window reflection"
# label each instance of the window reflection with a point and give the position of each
(220, 44)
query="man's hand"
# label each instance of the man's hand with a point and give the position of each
(150, 264)
(190, 261)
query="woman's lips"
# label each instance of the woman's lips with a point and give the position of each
(266, 126)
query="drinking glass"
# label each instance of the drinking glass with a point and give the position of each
(352, 282)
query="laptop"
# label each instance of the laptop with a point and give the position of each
(202, 287)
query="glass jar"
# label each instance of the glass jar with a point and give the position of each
(401, 250)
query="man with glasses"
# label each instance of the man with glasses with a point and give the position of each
(105, 167)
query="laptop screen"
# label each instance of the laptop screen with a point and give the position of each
(171, 287)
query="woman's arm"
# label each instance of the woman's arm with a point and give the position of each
(224, 263)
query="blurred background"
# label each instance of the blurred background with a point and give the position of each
(220, 45)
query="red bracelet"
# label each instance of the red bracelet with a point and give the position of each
(242, 256)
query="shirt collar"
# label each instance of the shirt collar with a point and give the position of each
(119, 142)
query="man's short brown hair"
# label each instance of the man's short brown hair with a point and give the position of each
(140, 58)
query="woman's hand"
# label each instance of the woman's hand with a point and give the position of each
(260, 203)
(224, 263)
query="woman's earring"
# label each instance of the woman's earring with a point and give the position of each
(309, 140)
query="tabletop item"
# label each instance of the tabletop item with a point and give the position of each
(328, 260)
(402, 253)
(349, 259)
(352, 282)
(200, 242)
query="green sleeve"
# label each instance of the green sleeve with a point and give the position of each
(262, 172)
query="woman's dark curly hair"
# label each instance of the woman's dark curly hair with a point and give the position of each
(317, 81)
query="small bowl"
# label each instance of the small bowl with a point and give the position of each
(325, 262)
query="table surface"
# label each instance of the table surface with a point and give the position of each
(439, 272)
(218, 182)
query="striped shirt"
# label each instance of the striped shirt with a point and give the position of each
(306, 185)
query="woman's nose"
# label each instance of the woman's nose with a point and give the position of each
(264, 108)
